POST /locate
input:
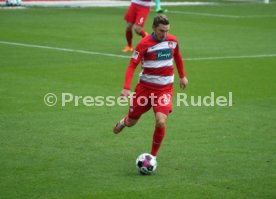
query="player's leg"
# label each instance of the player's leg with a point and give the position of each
(158, 7)
(159, 132)
(131, 118)
(141, 17)
(130, 19)
(140, 104)
(128, 36)
(140, 31)
(125, 122)
(162, 107)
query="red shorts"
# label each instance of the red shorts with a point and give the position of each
(137, 14)
(145, 98)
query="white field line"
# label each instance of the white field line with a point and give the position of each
(219, 15)
(231, 57)
(128, 57)
(62, 49)
(104, 3)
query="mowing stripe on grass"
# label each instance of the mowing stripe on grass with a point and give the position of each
(231, 57)
(219, 15)
(127, 57)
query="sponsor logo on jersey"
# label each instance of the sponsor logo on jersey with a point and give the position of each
(164, 54)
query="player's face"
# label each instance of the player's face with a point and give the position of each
(161, 31)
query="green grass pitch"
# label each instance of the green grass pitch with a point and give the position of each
(71, 153)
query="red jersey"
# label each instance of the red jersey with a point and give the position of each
(157, 63)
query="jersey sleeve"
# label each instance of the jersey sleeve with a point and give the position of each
(134, 61)
(179, 62)
(129, 74)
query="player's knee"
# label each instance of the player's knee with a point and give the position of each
(160, 123)
(137, 29)
(129, 26)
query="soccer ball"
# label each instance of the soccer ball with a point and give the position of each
(146, 163)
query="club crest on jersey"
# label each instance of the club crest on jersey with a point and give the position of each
(164, 54)
(135, 55)
(170, 44)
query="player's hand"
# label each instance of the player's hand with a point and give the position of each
(124, 94)
(183, 82)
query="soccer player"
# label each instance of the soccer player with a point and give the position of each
(156, 52)
(135, 17)
(158, 7)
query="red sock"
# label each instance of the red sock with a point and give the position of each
(129, 37)
(143, 33)
(158, 136)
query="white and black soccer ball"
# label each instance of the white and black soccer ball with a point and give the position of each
(146, 163)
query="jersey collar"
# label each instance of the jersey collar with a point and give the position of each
(155, 38)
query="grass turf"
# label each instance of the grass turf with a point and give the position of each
(70, 152)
